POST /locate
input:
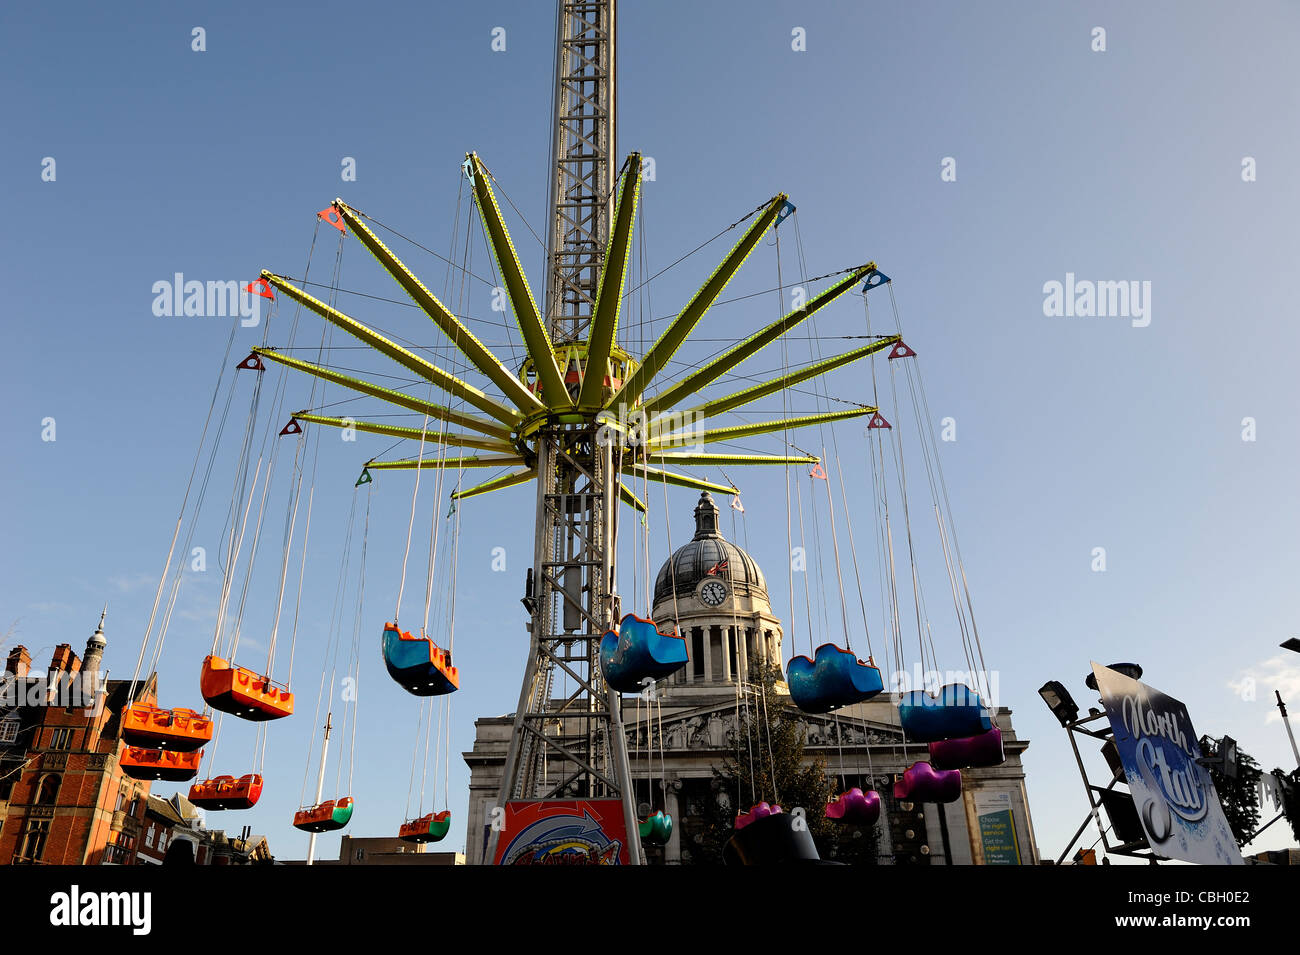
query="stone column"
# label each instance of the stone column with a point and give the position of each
(724, 643)
(708, 653)
(673, 851)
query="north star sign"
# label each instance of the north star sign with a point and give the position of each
(1175, 797)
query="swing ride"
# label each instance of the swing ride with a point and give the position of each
(639, 652)
(577, 414)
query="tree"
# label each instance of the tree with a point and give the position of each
(1240, 796)
(1290, 798)
(769, 765)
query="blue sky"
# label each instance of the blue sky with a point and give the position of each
(1072, 433)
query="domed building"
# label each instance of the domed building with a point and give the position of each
(715, 595)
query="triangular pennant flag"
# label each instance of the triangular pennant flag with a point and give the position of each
(261, 287)
(818, 471)
(786, 210)
(874, 278)
(901, 351)
(331, 215)
(451, 510)
(293, 427)
(252, 363)
(365, 478)
(878, 421)
(736, 505)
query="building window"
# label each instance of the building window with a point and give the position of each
(119, 851)
(8, 730)
(32, 843)
(148, 836)
(61, 738)
(48, 791)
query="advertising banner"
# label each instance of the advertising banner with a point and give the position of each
(1175, 798)
(563, 832)
(997, 828)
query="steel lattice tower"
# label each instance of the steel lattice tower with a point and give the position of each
(570, 741)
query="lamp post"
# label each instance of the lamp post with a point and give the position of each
(1294, 645)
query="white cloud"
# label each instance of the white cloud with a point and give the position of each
(1280, 673)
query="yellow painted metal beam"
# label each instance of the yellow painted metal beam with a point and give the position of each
(753, 344)
(726, 403)
(496, 484)
(436, 412)
(609, 294)
(466, 461)
(538, 341)
(705, 460)
(677, 480)
(687, 438)
(681, 326)
(475, 351)
(407, 359)
(396, 431)
(631, 499)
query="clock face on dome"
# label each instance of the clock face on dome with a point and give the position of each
(713, 592)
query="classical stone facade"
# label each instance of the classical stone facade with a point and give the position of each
(716, 594)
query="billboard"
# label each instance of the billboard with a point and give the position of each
(1175, 798)
(563, 832)
(997, 828)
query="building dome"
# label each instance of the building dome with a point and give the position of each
(708, 551)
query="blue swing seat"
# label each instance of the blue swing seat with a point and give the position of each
(639, 651)
(418, 664)
(957, 712)
(833, 679)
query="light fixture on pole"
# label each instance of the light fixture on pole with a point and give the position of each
(1291, 644)
(1059, 701)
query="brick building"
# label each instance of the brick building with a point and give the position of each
(64, 799)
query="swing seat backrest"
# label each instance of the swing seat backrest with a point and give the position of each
(638, 652)
(241, 692)
(855, 808)
(921, 782)
(151, 727)
(833, 678)
(417, 664)
(169, 765)
(968, 752)
(957, 712)
(656, 829)
(761, 811)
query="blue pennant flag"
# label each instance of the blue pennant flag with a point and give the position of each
(874, 277)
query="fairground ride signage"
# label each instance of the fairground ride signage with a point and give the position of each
(563, 832)
(1175, 797)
